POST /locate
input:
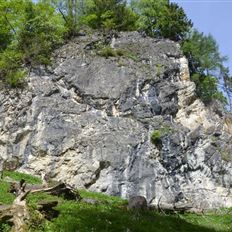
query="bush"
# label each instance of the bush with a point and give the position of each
(162, 19)
(107, 52)
(108, 15)
(11, 70)
(156, 137)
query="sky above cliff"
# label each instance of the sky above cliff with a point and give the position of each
(214, 17)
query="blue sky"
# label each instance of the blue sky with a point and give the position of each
(214, 17)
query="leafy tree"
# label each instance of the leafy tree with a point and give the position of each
(161, 19)
(11, 69)
(205, 63)
(29, 33)
(5, 32)
(42, 29)
(109, 14)
(203, 53)
(71, 12)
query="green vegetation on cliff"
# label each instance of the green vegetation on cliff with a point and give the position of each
(30, 30)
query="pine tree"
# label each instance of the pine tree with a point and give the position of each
(205, 63)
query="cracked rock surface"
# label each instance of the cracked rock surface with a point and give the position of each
(88, 122)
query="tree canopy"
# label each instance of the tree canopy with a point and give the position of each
(30, 30)
(30, 33)
(205, 64)
(162, 19)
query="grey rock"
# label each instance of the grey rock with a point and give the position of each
(137, 203)
(88, 121)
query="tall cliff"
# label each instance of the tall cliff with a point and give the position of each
(89, 120)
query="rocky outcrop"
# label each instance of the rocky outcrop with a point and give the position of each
(88, 121)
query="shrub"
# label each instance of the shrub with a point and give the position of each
(107, 52)
(156, 137)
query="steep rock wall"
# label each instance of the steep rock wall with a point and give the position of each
(88, 121)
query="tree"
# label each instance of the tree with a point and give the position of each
(11, 70)
(109, 14)
(30, 31)
(71, 12)
(161, 19)
(42, 30)
(206, 65)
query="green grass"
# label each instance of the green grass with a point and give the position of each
(83, 217)
(103, 198)
(119, 52)
(17, 176)
(5, 197)
(110, 214)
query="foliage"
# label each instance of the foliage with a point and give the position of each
(17, 176)
(70, 10)
(107, 52)
(109, 14)
(162, 19)
(206, 64)
(207, 88)
(5, 196)
(11, 69)
(40, 32)
(30, 31)
(203, 53)
(157, 135)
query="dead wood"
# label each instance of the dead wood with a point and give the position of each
(17, 214)
(176, 208)
(66, 191)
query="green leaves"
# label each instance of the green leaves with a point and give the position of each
(206, 64)
(42, 29)
(161, 19)
(204, 52)
(109, 14)
(11, 70)
(28, 33)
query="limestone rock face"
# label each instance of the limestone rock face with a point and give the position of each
(88, 122)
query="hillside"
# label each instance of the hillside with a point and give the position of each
(119, 115)
(107, 214)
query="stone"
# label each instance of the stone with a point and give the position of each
(88, 122)
(137, 203)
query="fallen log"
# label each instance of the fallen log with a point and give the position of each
(20, 212)
(66, 191)
(176, 208)
(18, 215)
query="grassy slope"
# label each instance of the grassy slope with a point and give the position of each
(111, 215)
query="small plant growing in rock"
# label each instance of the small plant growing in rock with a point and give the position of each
(156, 137)
(226, 156)
(159, 69)
(120, 52)
(107, 52)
